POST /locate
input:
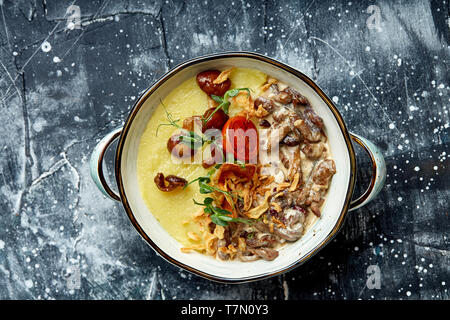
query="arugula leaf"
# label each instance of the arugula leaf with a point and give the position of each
(218, 215)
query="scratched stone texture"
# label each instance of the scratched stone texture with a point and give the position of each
(62, 89)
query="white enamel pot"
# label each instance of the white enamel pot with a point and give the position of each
(339, 199)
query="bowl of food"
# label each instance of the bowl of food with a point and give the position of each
(236, 167)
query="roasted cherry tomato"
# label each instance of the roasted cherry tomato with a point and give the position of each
(205, 82)
(178, 148)
(216, 121)
(240, 137)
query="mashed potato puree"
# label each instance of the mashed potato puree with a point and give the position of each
(174, 209)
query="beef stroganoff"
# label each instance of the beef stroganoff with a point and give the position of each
(235, 164)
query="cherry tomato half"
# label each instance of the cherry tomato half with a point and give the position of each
(240, 137)
(216, 121)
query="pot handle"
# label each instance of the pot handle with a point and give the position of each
(378, 172)
(96, 164)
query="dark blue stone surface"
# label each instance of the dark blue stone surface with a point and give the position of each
(63, 88)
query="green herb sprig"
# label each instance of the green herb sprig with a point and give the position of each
(172, 122)
(224, 104)
(218, 215)
(190, 138)
(240, 163)
(205, 188)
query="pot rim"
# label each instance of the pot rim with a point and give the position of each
(235, 54)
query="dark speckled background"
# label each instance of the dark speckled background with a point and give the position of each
(62, 89)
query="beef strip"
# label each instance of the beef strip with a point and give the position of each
(222, 245)
(291, 160)
(265, 253)
(291, 140)
(283, 124)
(314, 191)
(293, 219)
(247, 256)
(309, 130)
(312, 116)
(314, 150)
(266, 103)
(261, 240)
(297, 98)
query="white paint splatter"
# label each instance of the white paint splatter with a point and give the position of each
(29, 284)
(39, 124)
(46, 46)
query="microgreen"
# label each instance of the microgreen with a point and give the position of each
(206, 188)
(240, 163)
(169, 117)
(189, 138)
(224, 104)
(218, 215)
(199, 179)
